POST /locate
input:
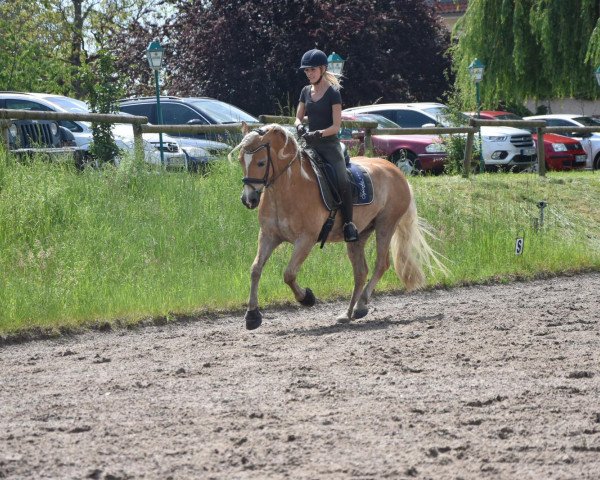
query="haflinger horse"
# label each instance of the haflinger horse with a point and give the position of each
(280, 181)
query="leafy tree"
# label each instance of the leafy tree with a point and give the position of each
(536, 49)
(28, 63)
(247, 52)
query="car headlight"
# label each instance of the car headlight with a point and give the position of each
(559, 147)
(435, 148)
(196, 153)
(13, 130)
(496, 139)
(54, 128)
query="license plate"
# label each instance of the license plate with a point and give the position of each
(528, 151)
(580, 158)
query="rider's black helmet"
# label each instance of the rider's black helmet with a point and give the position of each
(313, 58)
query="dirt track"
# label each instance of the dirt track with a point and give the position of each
(495, 381)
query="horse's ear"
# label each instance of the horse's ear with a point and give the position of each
(245, 128)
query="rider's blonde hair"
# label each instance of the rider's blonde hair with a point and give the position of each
(334, 80)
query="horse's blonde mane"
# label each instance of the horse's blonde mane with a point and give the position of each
(251, 137)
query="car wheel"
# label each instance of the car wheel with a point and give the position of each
(406, 161)
(596, 165)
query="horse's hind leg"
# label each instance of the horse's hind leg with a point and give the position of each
(302, 248)
(356, 253)
(266, 245)
(382, 263)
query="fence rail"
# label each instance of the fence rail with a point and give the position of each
(140, 125)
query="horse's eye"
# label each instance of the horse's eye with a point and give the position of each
(261, 163)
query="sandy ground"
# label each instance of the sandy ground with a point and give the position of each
(498, 381)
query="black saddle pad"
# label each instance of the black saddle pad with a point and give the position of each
(360, 179)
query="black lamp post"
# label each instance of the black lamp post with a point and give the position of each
(155, 53)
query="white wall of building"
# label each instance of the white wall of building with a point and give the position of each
(569, 105)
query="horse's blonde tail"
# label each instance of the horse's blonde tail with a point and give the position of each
(410, 250)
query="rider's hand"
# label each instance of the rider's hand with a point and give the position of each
(313, 135)
(301, 130)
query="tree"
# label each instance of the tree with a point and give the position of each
(90, 25)
(537, 49)
(247, 52)
(30, 48)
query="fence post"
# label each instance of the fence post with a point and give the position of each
(138, 143)
(368, 142)
(4, 137)
(541, 155)
(468, 155)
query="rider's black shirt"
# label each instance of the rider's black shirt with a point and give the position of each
(319, 113)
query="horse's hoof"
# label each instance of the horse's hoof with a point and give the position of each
(360, 312)
(344, 318)
(309, 299)
(253, 319)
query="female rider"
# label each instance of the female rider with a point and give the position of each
(321, 102)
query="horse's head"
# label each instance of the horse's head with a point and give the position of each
(265, 153)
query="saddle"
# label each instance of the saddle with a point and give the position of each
(358, 176)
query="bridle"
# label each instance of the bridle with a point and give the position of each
(250, 181)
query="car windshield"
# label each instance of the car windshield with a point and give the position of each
(222, 112)
(382, 122)
(447, 118)
(69, 104)
(587, 121)
(508, 116)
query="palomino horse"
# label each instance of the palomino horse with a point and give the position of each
(279, 179)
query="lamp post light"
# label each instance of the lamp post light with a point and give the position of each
(155, 53)
(476, 71)
(335, 64)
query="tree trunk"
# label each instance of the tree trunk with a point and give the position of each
(77, 48)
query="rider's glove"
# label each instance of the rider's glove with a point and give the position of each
(301, 130)
(313, 135)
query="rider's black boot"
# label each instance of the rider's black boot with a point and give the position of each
(350, 232)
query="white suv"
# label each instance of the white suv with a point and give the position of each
(501, 146)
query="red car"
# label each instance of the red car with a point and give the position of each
(562, 153)
(411, 153)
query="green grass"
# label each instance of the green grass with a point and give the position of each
(123, 245)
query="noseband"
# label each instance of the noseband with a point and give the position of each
(265, 180)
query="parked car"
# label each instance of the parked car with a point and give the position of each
(561, 152)
(411, 153)
(27, 137)
(589, 142)
(82, 131)
(190, 111)
(504, 147)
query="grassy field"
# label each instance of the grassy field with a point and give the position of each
(122, 245)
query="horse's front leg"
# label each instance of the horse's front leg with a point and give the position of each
(302, 247)
(266, 245)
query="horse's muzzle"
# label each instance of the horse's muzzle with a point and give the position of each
(250, 200)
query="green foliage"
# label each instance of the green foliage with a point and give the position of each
(122, 245)
(535, 49)
(105, 87)
(30, 48)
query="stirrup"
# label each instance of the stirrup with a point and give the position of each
(350, 232)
